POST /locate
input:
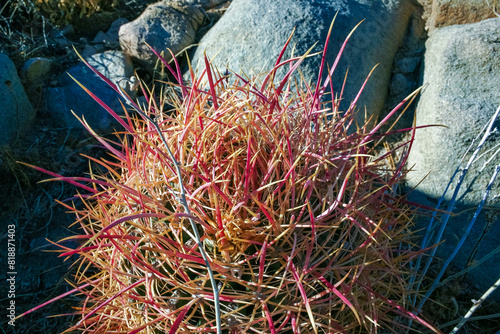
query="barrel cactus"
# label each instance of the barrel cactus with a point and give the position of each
(299, 219)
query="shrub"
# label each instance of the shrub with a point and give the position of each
(65, 11)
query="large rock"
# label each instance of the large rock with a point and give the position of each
(442, 13)
(251, 34)
(16, 111)
(70, 96)
(462, 74)
(167, 24)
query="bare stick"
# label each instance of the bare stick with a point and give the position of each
(476, 305)
(132, 82)
(464, 236)
(488, 132)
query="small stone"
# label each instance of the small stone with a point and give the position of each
(36, 70)
(114, 28)
(62, 42)
(163, 25)
(101, 37)
(69, 96)
(16, 111)
(88, 51)
(113, 64)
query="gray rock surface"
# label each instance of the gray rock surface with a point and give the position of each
(110, 39)
(166, 24)
(252, 33)
(113, 30)
(69, 96)
(462, 74)
(16, 111)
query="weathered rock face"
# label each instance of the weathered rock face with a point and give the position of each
(462, 71)
(406, 70)
(167, 24)
(252, 33)
(16, 111)
(442, 13)
(69, 96)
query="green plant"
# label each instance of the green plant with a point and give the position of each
(303, 229)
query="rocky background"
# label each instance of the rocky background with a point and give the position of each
(450, 47)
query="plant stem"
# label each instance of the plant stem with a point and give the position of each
(488, 132)
(182, 200)
(476, 305)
